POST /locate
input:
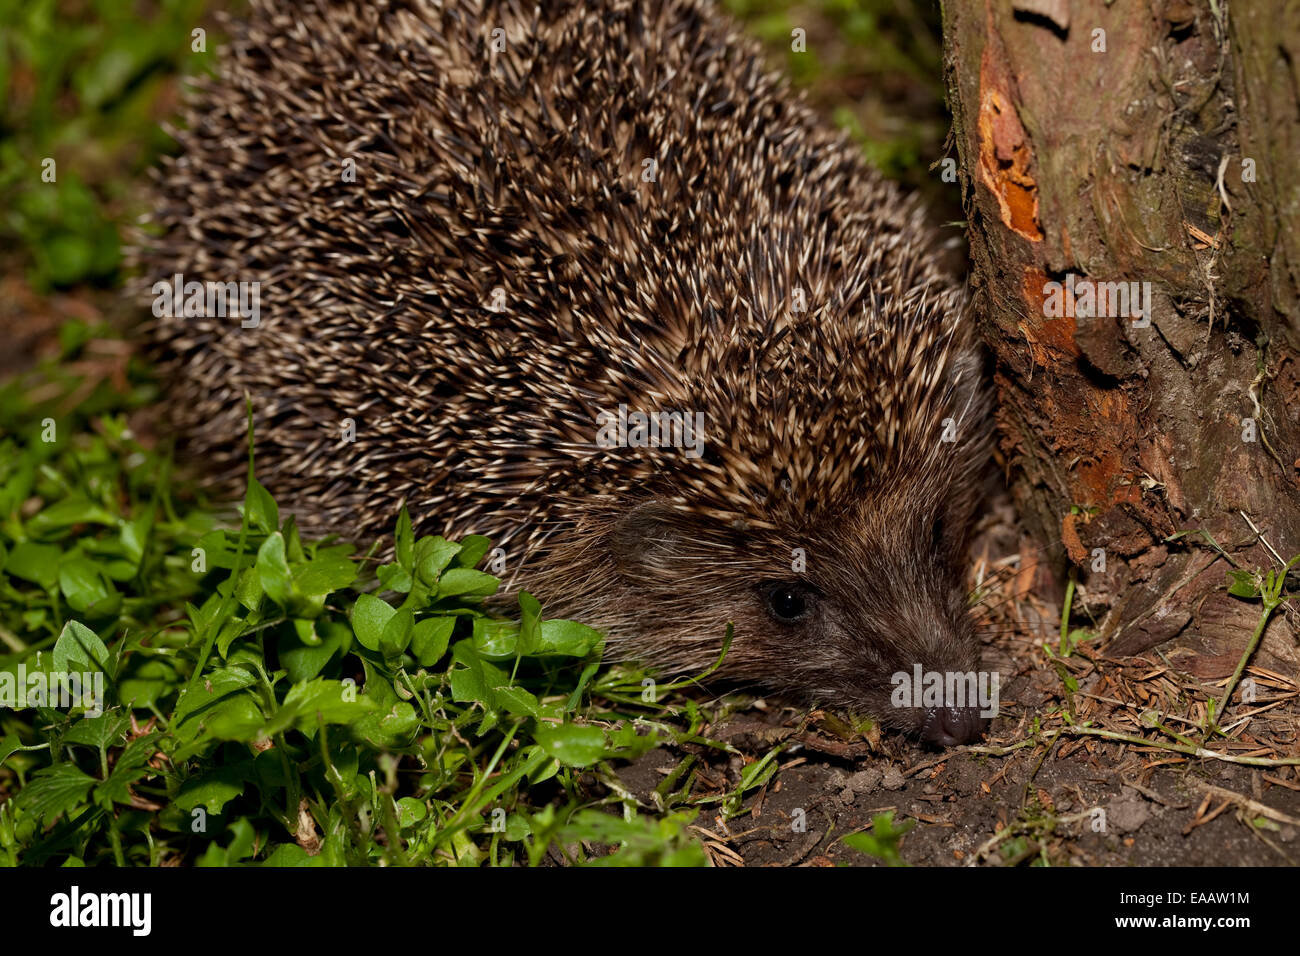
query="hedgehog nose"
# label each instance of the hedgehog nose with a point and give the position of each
(948, 726)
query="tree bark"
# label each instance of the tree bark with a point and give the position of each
(1145, 141)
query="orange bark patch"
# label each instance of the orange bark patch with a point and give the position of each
(1098, 480)
(1005, 156)
(1094, 428)
(1046, 337)
(1070, 536)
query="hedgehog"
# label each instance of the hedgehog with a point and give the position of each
(589, 279)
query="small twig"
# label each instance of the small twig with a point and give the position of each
(1259, 534)
(1191, 751)
(1259, 809)
(1029, 781)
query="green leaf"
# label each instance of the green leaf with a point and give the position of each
(293, 542)
(38, 563)
(567, 638)
(393, 728)
(432, 555)
(290, 854)
(273, 570)
(641, 841)
(217, 550)
(241, 847)
(217, 685)
(133, 535)
(410, 811)
(396, 636)
(574, 745)
(476, 679)
(147, 680)
(305, 661)
(466, 582)
(370, 615)
(496, 640)
(237, 717)
(9, 746)
(68, 257)
(472, 549)
(530, 616)
(882, 840)
(86, 588)
(53, 791)
(230, 632)
(260, 509)
(379, 686)
(105, 76)
(73, 510)
(324, 574)
(1243, 584)
(394, 577)
(248, 591)
(516, 700)
(429, 639)
(132, 764)
(212, 791)
(327, 701)
(80, 649)
(305, 630)
(106, 730)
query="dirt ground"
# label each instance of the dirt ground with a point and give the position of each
(974, 808)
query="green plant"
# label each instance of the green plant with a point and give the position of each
(272, 700)
(882, 839)
(78, 95)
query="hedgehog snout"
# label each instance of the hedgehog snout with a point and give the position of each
(952, 695)
(926, 654)
(949, 726)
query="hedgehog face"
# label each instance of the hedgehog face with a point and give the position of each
(863, 631)
(857, 644)
(871, 619)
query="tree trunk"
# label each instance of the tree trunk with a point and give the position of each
(1154, 142)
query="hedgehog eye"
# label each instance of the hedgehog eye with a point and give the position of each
(787, 602)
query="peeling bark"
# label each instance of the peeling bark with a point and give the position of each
(1148, 142)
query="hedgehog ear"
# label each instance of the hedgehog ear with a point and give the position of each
(646, 539)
